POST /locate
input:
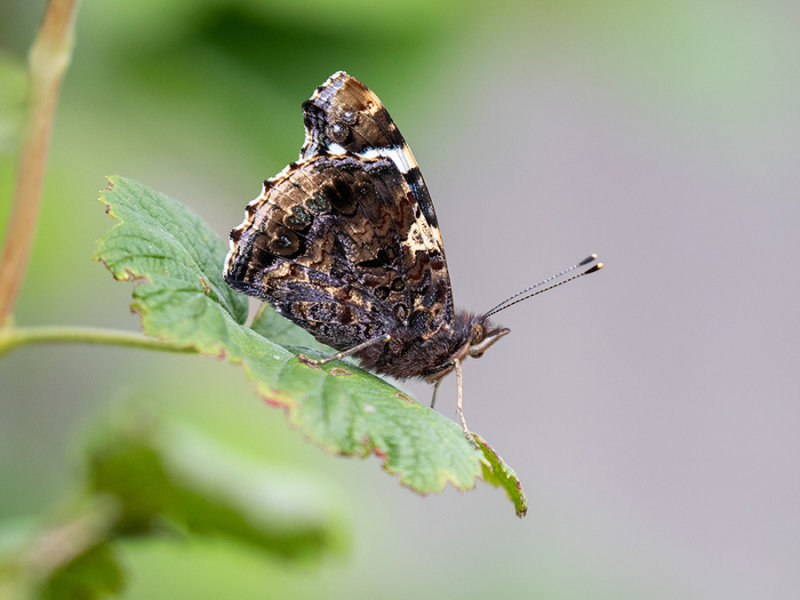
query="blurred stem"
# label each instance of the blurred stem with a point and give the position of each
(56, 546)
(48, 60)
(29, 565)
(12, 338)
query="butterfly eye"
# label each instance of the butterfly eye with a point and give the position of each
(478, 334)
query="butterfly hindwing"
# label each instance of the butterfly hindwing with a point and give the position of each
(327, 243)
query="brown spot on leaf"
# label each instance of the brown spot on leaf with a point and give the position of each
(205, 286)
(307, 361)
(404, 398)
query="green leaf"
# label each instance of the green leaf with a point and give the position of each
(68, 557)
(158, 470)
(144, 472)
(269, 324)
(95, 573)
(175, 257)
(176, 261)
(498, 473)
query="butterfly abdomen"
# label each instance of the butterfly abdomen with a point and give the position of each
(413, 353)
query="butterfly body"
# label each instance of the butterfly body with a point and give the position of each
(345, 243)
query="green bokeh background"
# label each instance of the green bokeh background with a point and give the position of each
(650, 410)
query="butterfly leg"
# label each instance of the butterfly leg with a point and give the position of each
(435, 389)
(459, 405)
(340, 355)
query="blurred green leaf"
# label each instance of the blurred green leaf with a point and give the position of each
(92, 574)
(160, 471)
(71, 557)
(176, 261)
(147, 475)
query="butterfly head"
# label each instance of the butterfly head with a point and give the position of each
(471, 335)
(475, 333)
(482, 335)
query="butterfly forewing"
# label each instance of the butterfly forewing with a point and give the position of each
(345, 113)
(345, 116)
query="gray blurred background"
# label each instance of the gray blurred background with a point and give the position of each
(650, 410)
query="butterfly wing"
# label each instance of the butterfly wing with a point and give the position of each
(344, 116)
(344, 242)
(327, 243)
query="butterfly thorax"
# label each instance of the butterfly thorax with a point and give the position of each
(410, 354)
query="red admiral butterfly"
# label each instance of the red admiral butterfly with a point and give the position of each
(345, 243)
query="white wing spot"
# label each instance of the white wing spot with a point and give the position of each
(399, 155)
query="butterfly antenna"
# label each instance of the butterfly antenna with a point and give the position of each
(591, 266)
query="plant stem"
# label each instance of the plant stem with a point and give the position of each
(48, 60)
(12, 338)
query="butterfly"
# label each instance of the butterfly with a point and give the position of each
(345, 243)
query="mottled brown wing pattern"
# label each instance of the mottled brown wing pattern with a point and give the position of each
(344, 242)
(330, 243)
(345, 113)
(344, 116)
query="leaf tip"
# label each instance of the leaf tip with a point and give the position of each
(498, 473)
